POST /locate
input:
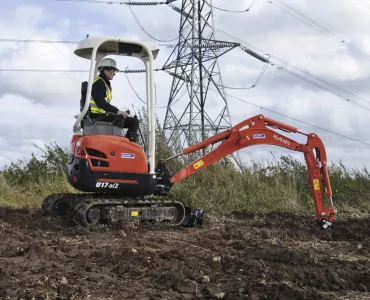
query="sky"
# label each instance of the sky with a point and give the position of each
(333, 45)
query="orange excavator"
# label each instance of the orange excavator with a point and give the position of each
(119, 179)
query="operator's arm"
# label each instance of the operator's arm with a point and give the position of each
(98, 93)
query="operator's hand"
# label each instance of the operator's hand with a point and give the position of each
(123, 113)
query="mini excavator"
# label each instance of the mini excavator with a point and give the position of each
(118, 178)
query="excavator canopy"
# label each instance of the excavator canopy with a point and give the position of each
(115, 46)
(95, 49)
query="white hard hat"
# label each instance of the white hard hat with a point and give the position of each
(107, 62)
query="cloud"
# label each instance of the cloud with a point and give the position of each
(27, 123)
(40, 105)
(33, 22)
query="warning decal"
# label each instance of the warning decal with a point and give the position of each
(198, 164)
(316, 184)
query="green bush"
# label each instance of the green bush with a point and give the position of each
(52, 163)
(280, 184)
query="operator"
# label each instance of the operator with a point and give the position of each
(101, 96)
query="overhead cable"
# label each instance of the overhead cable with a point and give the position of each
(72, 70)
(319, 79)
(166, 45)
(146, 32)
(38, 41)
(366, 3)
(7, 40)
(298, 120)
(288, 65)
(42, 70)
(129, 82)
(133, 3)
(311, 23)
(137, 95)
(254, 84)
(235, 11)
(129, 4)
(296, 74)
(322, 87)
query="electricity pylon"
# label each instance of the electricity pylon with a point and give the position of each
(197, 106)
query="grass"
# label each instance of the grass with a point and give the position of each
(30, 195)
(279, 184)
(277, 187)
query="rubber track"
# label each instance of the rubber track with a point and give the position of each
(81, 203)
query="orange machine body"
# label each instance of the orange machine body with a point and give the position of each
(108, 163)
(107, 152)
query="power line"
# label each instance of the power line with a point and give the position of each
(137, 95)
(226, 87)
(295, 74)
(148, 3)
(311, 23)
(4, 40)
(279, 4)
(298, 120)
(235, 11)
(231, 96)
(254, 84)
(146, 32)
(140, 71)
(319, 79)
(323, 88)
(128, 71)
(42, 70)
(366, 3)
(73, 71)
(129, 4)
(225, 33)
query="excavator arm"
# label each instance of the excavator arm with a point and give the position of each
(258, 130)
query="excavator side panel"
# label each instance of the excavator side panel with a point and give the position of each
(109, 164)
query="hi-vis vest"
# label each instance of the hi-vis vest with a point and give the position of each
(108, 97)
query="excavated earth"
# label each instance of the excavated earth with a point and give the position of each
(245, 256)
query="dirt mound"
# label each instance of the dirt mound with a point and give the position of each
(273, 256)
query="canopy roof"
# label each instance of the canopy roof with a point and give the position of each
(115, 46)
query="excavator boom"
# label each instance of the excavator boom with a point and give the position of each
(258, 130)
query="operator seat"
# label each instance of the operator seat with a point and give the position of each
(93, 127)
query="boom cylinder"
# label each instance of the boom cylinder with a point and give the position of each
(212, 140)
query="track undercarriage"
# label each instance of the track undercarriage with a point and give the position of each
(93, 209)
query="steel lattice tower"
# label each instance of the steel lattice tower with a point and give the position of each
(197, 106)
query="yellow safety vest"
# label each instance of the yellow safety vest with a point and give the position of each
(108, 97)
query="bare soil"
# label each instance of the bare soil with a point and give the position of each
(247, 256)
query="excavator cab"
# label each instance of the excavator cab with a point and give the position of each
(95, 49)
(99, 150)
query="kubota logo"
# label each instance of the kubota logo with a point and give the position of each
(281, 140)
